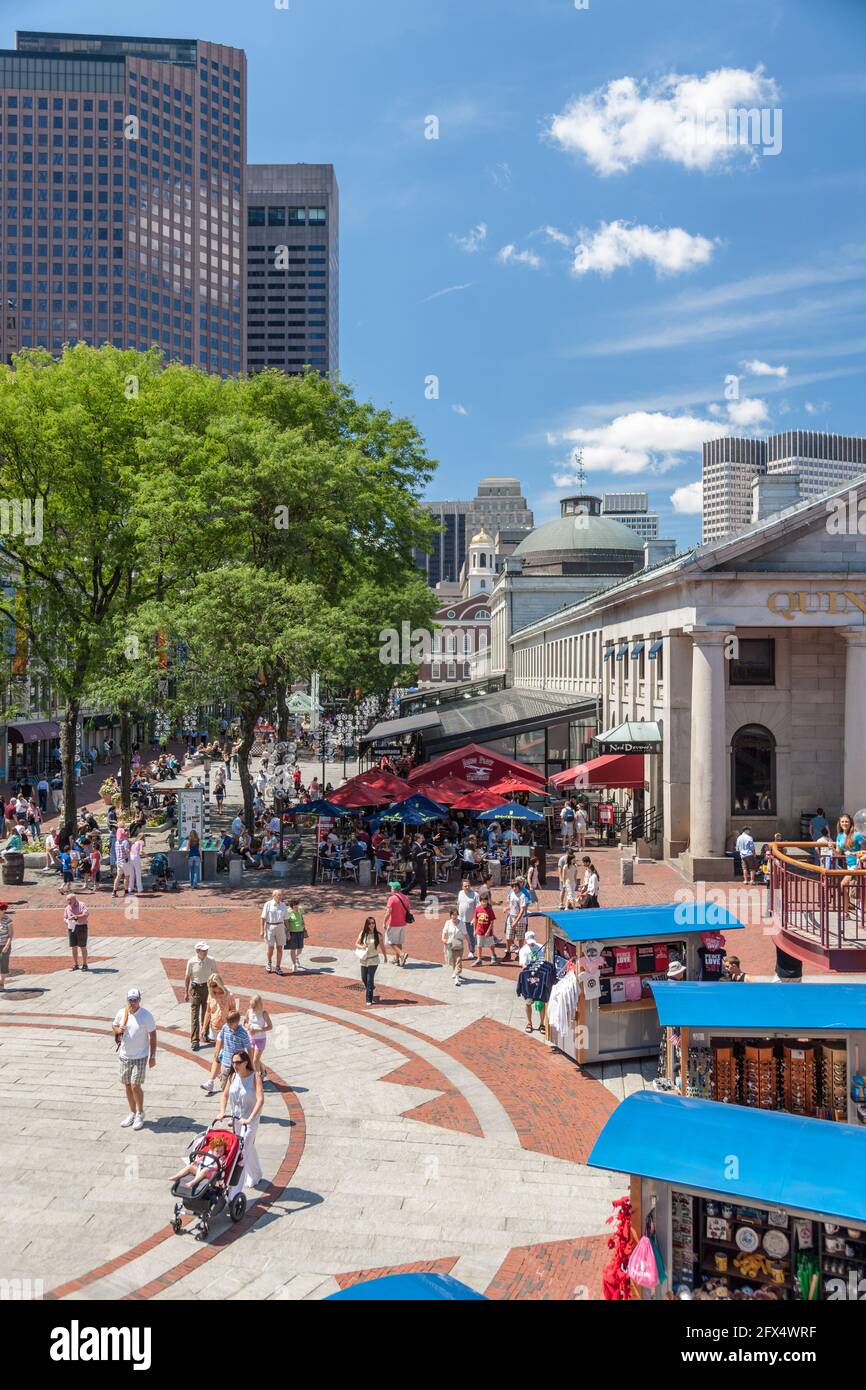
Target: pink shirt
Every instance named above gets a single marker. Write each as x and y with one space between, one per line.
397 907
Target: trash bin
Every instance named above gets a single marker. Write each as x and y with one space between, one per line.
365 873
236 869
13 867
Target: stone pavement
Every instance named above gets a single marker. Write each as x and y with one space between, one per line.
429 1132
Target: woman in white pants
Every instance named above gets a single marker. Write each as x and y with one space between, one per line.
243 1097
134 884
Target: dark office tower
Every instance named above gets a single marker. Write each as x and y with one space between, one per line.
121 195
293 267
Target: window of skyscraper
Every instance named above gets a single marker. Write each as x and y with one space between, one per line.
276 217
255 217
297 217
317 215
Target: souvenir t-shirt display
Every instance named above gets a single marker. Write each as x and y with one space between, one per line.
712 962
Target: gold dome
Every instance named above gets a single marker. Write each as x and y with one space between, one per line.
481 538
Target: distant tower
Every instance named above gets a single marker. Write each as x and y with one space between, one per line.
480 565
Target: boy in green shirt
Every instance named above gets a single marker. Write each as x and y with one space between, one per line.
296 932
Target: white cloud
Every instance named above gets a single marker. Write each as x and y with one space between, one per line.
559 237
671 250
460 410
688 499
747 412
681 118
755 367
641 441
501 175
816 407
451 289
509 255
474 239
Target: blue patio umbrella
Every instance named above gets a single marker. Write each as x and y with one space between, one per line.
319 808
401 816
512 810
408 1288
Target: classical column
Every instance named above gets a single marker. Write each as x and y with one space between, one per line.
708 783
854 747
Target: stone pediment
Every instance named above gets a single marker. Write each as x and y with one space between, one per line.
827 535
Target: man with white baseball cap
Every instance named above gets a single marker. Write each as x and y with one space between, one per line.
199 969
135 1034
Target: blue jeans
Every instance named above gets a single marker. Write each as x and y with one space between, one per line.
368 975
470 937
228 768
194 870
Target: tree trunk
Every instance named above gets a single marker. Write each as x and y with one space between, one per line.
125 761
248 729
282 714
68 729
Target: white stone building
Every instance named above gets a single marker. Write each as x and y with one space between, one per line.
750 656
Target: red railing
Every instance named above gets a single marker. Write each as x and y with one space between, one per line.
828 906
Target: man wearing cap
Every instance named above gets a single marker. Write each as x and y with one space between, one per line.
676 970
135 1034
199 969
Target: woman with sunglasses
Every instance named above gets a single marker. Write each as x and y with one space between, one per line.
243 1097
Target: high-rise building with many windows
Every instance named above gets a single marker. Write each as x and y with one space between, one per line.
498 505
122 165
819 460
632 509
292 267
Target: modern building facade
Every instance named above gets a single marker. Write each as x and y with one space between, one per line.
632 509
121 195
292 267
498 505
820 460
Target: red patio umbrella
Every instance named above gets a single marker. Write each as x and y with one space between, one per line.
449 790
480 800
372 788
476 764
510 784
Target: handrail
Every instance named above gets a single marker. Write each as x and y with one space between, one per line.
776 851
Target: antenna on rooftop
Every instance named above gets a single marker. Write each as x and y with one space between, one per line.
579 470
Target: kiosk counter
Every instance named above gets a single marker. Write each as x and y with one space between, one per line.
618 953
801 1050
743 1204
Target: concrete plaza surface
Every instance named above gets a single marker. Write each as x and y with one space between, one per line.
429 1132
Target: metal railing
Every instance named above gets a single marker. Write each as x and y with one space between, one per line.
825 905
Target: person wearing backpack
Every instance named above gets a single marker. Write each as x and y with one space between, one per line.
454 939
566 821
397 914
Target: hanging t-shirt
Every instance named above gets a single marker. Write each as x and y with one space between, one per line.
646 960
626 960
617 991
711 963
632 987
608 960
604 991
662 954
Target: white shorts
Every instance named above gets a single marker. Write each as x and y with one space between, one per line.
275 935
395 936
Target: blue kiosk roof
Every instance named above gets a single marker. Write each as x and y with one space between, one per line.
408 1288
658 919
761 1005
781 1160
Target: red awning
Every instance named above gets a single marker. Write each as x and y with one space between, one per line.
612 770
371 788
479 766
33 732
447 790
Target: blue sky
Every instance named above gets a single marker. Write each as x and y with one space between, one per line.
582 257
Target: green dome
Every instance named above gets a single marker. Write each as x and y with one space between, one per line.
580 532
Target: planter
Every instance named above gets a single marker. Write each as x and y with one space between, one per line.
13 867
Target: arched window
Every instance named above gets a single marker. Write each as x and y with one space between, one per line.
753 771
483 560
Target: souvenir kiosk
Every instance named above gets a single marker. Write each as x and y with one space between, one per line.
744 1204
617 954
800 1050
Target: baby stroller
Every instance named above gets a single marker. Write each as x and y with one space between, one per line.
219 1185
163 878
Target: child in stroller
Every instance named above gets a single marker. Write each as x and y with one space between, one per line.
211 1180
163 878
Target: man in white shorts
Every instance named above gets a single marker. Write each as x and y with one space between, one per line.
515 920
274 914
135 1032
566 822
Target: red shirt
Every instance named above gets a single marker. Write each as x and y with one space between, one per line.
484 919
397 907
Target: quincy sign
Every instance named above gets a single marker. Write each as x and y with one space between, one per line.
788 604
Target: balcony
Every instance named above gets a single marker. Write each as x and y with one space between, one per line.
821 912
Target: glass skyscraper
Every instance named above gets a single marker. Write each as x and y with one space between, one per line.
122 165
292 267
